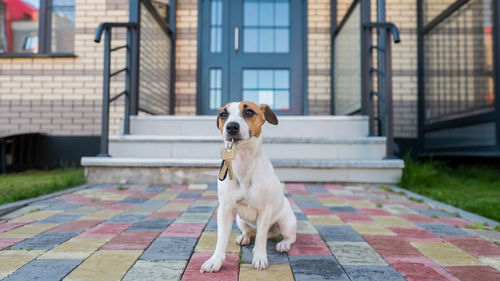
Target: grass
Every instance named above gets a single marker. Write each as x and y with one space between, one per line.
19 186
475 188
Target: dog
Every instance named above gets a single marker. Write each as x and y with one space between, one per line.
255 192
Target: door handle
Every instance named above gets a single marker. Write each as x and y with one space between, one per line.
236 39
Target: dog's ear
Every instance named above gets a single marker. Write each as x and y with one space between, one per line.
269 114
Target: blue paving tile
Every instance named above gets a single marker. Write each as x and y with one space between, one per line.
339 233
316 188
372 273
52 201
101 186
212 186
155 189
309 204
273 256
189 195
443 229
62 207
200 209
126 218
288 195
343 209
45 241
154 225
306 268
301 216
44 270
153 203
434 212
212 226
133 200
60 218
170 248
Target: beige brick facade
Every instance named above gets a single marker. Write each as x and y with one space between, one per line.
62 96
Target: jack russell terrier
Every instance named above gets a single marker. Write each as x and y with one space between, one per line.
254 192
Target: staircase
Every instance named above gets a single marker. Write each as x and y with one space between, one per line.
185 149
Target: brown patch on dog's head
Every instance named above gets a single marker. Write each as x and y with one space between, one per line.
222 116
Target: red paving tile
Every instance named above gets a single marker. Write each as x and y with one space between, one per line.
421 269
165 215
7 242
309 245
391 246
296 188
228 271
374 211
317 211
4 227
76 226
334 186
182 200
106 230
350 197
414 205
415 234
208 197
416 218
179 186
184 230
456 222
474 273
131 241
353 217
324 195
475 246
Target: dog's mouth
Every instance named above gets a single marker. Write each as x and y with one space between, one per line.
235 139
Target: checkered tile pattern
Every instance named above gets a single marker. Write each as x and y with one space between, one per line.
111 232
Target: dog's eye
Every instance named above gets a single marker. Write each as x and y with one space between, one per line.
249 113
223 115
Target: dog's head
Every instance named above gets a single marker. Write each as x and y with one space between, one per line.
240 121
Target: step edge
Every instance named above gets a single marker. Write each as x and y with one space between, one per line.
213 117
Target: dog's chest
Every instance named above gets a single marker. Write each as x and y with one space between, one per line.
246 212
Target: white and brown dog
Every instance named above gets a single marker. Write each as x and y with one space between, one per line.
255 192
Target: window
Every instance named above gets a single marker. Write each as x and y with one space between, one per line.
26 29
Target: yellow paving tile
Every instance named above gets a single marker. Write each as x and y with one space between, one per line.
200 186
325 220
100 215
76 248
333 201
209 193
446 254
174 207
209 239
371 228
36 216
12 260
360 204
493 262
27 231
106 265
391 221
305 227
164 196
105 195
275 272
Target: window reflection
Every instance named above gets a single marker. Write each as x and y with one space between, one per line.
269 86
19 26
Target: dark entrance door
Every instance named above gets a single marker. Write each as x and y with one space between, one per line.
252 50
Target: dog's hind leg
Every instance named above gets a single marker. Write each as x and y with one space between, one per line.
288 226
247 232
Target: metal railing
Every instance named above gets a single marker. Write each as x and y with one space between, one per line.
362 28
153 55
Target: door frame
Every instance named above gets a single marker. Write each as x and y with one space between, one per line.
199 60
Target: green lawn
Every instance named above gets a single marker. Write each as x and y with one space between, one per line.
18 186
475 188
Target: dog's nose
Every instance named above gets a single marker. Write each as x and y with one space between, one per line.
233 128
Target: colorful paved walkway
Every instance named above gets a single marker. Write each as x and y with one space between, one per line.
156 233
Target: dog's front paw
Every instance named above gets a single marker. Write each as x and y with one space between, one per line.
259 262
242 239
211 265
283 246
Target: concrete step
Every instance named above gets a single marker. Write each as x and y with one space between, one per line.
289 126
203 170
150 146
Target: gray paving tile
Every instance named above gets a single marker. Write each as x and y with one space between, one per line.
443 229
339 233
189 195
301 216
212 226
212 186
434 213
126 218
309 204
155 270
316 188
155 225
133 200
372 273
49 270
83 210
45 241
194 217
155 189
200 209
306 268
62 207
170 248
153 203
343 209
60 218
355 253
273 256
